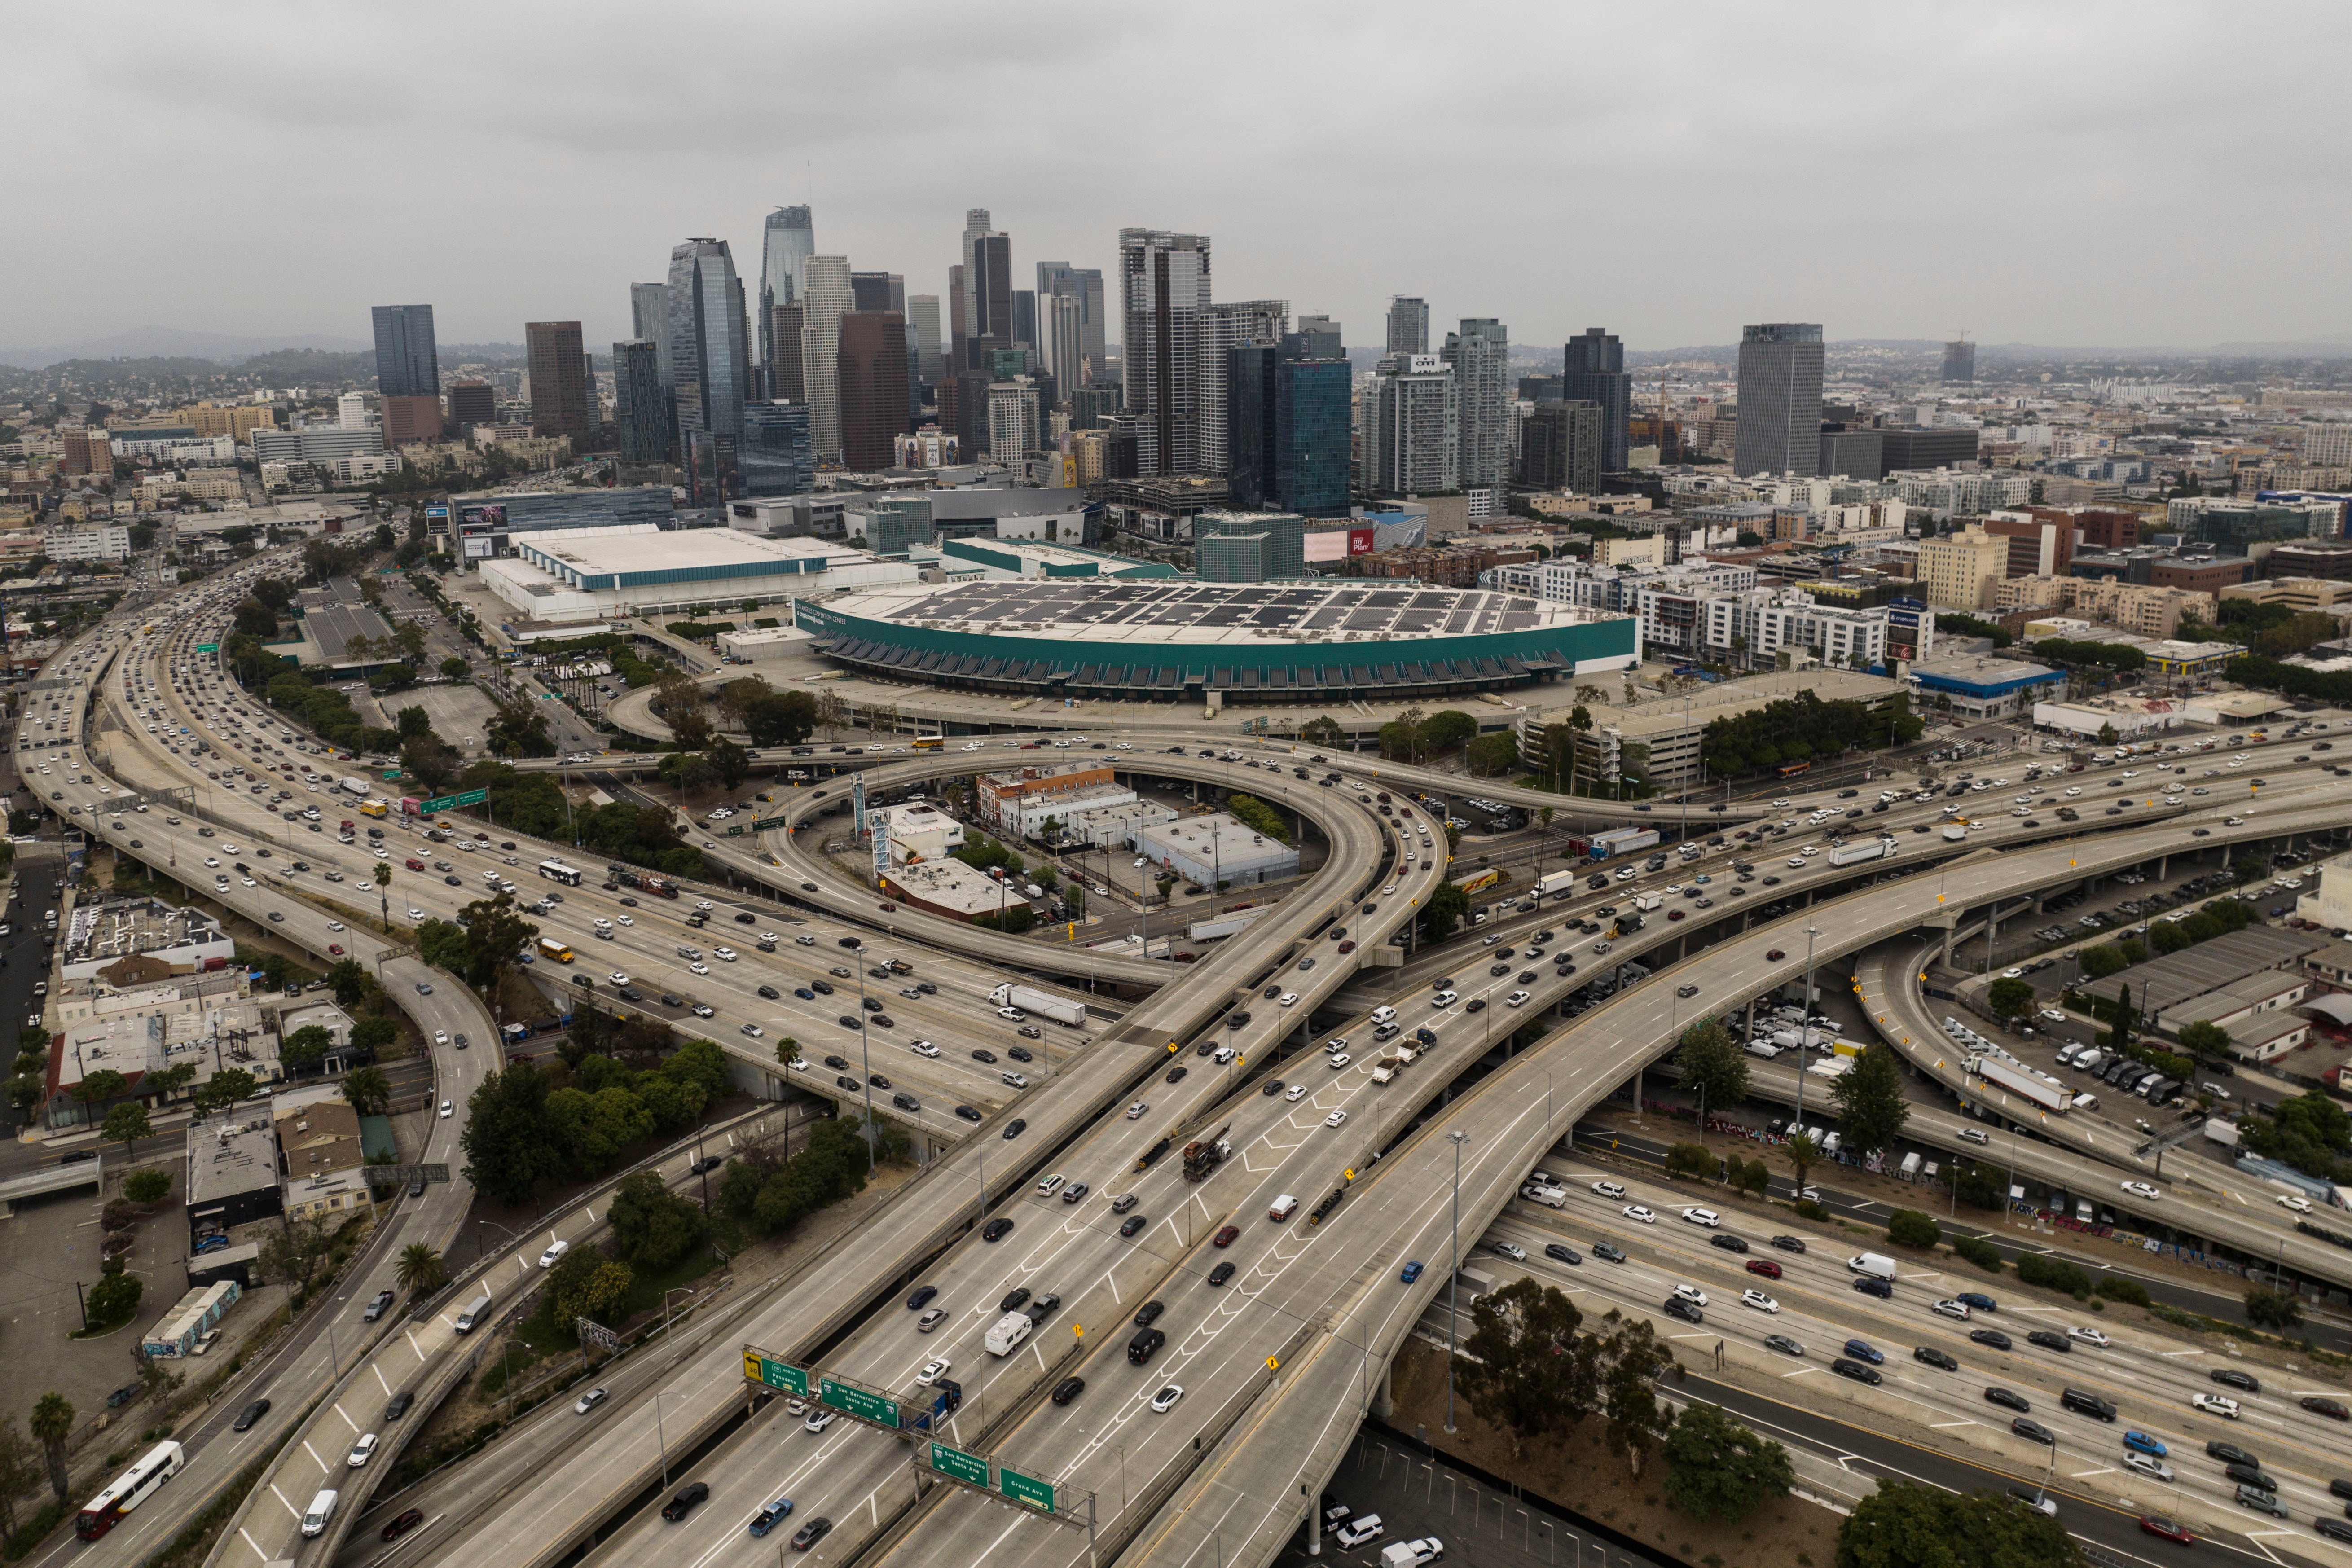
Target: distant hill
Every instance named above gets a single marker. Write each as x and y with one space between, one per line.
171 343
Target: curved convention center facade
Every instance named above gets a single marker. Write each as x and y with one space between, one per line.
1187 641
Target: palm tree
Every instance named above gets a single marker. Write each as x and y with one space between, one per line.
1803 1155
383 883
52 1422
421 1268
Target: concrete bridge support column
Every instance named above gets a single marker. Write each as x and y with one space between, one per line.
1384 1396
2161 862
2225 855
1950 922
1637 1092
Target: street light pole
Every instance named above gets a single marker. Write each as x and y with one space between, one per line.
1453 1286
1805 1030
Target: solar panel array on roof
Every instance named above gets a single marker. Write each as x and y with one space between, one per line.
1094 602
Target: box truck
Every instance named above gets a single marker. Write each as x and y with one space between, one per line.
1044 1004
2051 1096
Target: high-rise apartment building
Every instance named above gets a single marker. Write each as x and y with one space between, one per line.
1084 354
872 388
1479 355
1024 324
1164 297
1561 446
1959 363
923 316
787 372
786 244
1593 370
1962 572
827 278
640 406
1016 418
711 363
775 459
407 362
1223 327
1779 399
1065 329
1409 439
1408 325
561 397
1287 429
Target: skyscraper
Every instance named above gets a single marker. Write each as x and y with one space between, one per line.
710 361
640 406
789 238
1223 327
406 365
1323 335
1016 418
988 279
1960 363
1164 283
1478 353
649 320
878 291
1561 446
775 451
560 395
407 374
1411 428
923 315
1593 370
956 322
965 314
787 377
826 280
1408 325
1312 456
1070 345
1249 425
1065 332
872 383
1779 429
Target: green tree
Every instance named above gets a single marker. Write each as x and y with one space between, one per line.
291 1254
148 1186
1689 1160
592 1129
2206 1040
114 1298
422 1270
1258 816
506 1144
1523 1370
495 932
2012 998
1442 915
368 1092
20 1475
653 1228
51 1424
1871 1108
126 1125
1714 1066
350 982
1804 1152
223 1089
100 1088
2103 961
1909 1227
1718 1468
455 669
2278 1311
1909 1524
600 1293
372 1035
1631 1359
307 1047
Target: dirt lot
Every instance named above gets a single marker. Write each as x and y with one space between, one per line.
1581 1475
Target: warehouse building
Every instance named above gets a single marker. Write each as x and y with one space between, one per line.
1216 850
950 889
1179 640
601 573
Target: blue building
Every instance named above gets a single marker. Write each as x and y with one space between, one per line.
775 456
1983 688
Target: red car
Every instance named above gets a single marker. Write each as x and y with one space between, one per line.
403 1525
1225 1238
335 948
2171 1530
1346 947
1764 1266
1774 955
1674 914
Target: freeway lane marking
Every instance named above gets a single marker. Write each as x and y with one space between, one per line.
2171 1355
1800 1371
314 1453
1944 1425
249 1541
2102 1470
378 1369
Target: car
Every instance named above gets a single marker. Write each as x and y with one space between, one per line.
1784 1344
2169 1528
819 1418
809 1534
2034 1431
1870 1286
448 1109
1789 1243
1639 1215
379 1304
1991 1337
1608 1251
1862 1350
2257 1498
1977 1301
2231 1454
2319 1404
1412 1272
361 1451
1225 1234
1609 1189
1757 1300
1510 1249
771 1516
2334 1528
2232 1377
2008 1399
1930 1356
1335 1119
2142 1191
996 1229
2215 1405
555 1254
2088 1336
933 1370
1221 1273
1855 1370
2050 1339
1165 1400
1701 1216
2144 1443
250 1414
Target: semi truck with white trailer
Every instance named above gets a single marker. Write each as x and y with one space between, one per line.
1867 849
2055 1097
1043 1004
1225 925
356 787
1623 841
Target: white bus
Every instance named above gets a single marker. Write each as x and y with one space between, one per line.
132 1487
567 874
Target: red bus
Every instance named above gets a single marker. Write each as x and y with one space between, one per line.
1791 770
130 1489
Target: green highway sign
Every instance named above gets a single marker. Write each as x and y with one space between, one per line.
1017 1488
733 831
764 824
774 1373
970 1468
878 1408
208 647
449 802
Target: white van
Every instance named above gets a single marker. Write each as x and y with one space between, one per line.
1283 1208
1383 1013
322 1509
475 1311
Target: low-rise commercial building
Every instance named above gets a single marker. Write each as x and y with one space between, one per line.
952 890
1217 851
566 575
917 833
1981 688
231 1171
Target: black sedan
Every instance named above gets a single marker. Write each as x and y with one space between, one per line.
2008 1399
809 1534
1992 1336
996 1229
250 1414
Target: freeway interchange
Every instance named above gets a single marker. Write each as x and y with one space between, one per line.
1276 1354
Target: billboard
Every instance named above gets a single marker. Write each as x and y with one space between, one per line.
480 548
1360 541
493 515
1326 544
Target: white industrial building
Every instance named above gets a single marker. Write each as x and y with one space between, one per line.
1207 850
597 573
917 833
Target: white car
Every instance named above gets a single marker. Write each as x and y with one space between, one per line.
2147 1464
723 954
334 925
1609 1189
1335 1119
447 1109
2215 1405
697 969
2143 1191
1691 1293
1757 1300
1515 999
1639 1215
1294 1094
1954 1310
2088 1336
413 914
818 1420
1708 1217
1135 1111
803 938
1339 1059
618 977
555 1254
626 920
924 1048
361 1451
1050 1185
1165 1400
2290 1201
933 1370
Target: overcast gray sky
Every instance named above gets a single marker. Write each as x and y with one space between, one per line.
2072 174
